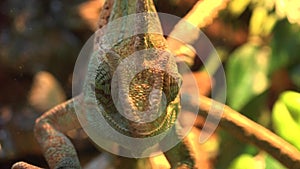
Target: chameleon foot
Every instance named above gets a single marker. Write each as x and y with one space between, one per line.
184 166
23 165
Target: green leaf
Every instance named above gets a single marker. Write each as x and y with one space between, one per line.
291 100
284 124
285 46
246 72
295 76
244 161
230 149
237 7
257 20
271 163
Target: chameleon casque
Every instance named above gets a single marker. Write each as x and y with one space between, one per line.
152 93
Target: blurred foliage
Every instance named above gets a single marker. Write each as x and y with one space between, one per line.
286 117
260 161
285 46
248 63
244 161
258 71
34 36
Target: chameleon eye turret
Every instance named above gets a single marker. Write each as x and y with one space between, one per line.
141 89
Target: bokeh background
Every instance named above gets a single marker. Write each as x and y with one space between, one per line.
257 40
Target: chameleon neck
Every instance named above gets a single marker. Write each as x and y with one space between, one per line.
126 7
143 17
141 22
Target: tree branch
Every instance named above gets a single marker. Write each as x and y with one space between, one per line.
202 14
251 132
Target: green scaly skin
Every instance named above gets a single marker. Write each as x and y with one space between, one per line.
51 127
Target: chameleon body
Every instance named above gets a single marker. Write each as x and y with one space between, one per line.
152 92
148 84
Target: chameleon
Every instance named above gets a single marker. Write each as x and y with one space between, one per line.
151 92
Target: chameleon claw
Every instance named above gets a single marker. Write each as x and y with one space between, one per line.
23 165
184 166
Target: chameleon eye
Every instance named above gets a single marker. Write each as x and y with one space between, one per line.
102 86
171 87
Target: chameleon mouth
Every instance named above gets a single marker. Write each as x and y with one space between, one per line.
145 129
142 108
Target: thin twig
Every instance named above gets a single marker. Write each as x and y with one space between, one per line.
249 131
202 14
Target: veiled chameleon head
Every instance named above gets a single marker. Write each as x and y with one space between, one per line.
139 91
